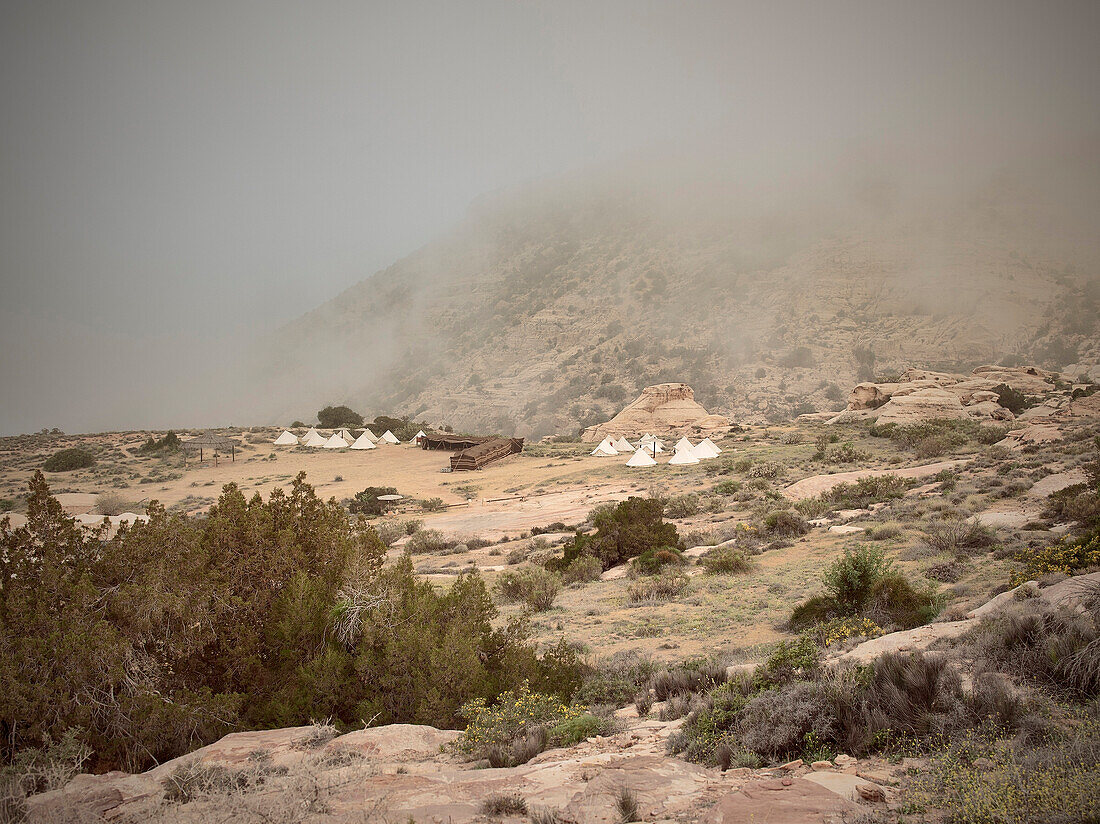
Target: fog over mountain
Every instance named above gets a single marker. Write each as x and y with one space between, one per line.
513 215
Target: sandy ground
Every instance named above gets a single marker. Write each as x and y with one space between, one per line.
817 484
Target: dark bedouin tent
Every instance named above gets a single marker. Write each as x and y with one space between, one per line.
208 441
485 453
452 443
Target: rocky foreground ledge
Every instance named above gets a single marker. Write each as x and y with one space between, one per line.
402 772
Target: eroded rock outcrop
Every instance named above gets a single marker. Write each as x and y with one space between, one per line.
665 409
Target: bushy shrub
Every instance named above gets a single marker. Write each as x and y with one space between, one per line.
869 490
1068 556
169 443
515 715
726 560
498 805
616 680
66 460
534 586
785 523
958 537
767 470
433 505
367 503
582 570
845 453
663 587
682 506
624 531
1011 399
883 532
652 561
696 675
727 487
427 541
863 582
337 417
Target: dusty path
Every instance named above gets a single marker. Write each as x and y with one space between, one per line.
495 520
817 484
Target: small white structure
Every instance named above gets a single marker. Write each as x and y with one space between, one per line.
641 458
347 436
363 442
370 435
605 450
389 437
646 438
683 444
711 445
683 457
623 445
415 439
704 450
288 438
335 442
313 439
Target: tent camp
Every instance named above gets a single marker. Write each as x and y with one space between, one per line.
288 438
605 449
335 442
684 443
415 439
623 445
370 436
683 457
363 442
313 440
347 436
705 450
646 438
389 437
641 458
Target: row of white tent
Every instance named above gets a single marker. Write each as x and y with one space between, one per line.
341 439
648 447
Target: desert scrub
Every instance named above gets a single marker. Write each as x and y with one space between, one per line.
845 453
582 570
516 713
653 589
767 470
839 630
1058 781
652 561
785 523
959 538
682 506
866 491
726 560
535 586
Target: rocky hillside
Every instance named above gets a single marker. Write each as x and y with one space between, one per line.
550 307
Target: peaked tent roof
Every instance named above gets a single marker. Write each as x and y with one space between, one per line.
605 449
641 458
347 436
312 433
623 445
647 438
705 450
684 443
683 456
288 438
712 445
314 440
370 435
389 437
419 434
363 442
335 442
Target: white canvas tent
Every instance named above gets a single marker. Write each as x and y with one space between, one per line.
314 440
705 450
646 438
711 445
683 457
415 439
288 438
605 449
363 442
370 436
684 443
335 442
347 436
389 437
641 458
623 445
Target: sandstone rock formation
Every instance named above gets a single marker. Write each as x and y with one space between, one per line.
666 409
921 395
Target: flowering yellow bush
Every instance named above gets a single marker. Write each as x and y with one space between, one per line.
841 629
1064 556
514 713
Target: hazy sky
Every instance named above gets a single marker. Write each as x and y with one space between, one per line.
178 177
